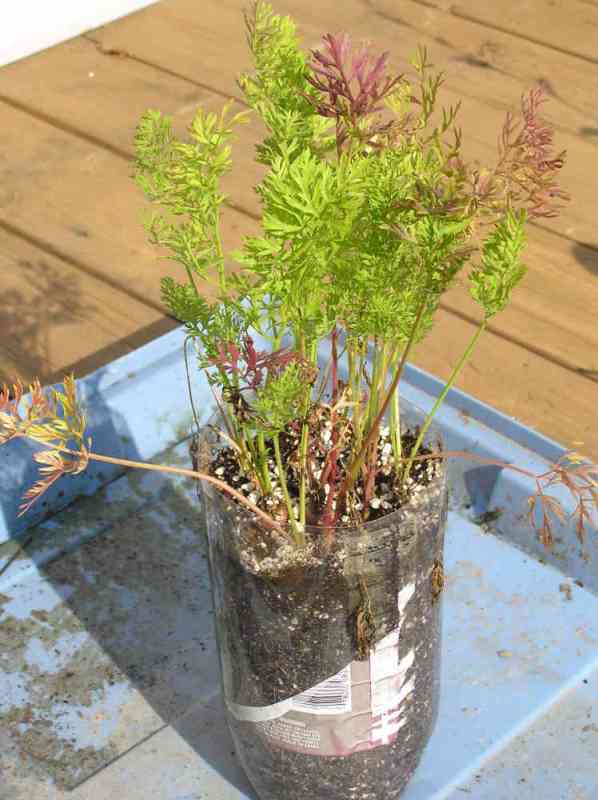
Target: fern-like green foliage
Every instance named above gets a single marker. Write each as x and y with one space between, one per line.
367 239
184 179
279 63
185 304
309 208
398 257
500 270
365 223
53 419
280 400
274 89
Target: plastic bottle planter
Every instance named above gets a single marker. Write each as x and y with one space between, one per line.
330 656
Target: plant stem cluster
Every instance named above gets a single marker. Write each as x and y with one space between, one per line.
366 223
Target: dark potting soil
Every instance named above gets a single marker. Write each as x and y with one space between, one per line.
283 630
387 494
383 772
288 632
379 774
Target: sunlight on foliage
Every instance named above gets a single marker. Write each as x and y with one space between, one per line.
366 223
54 419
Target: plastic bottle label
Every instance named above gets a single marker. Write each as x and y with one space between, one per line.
359 708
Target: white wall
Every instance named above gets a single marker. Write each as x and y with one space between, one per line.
27 26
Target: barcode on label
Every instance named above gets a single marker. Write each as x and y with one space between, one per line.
332 696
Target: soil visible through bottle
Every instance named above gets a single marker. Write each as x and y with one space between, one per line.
288 620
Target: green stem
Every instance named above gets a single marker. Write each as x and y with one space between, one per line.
263 460
378 389
192 279
351 368
235 431
254 470
297 534
302 479
218 241
351 352
304 441
384 371
302 344
441 397
395 427
278 331
373 394
353 470
357 409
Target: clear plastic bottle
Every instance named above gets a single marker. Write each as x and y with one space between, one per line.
330 653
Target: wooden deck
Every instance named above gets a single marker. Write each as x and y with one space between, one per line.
79 283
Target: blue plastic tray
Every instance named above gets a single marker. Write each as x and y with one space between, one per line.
108 669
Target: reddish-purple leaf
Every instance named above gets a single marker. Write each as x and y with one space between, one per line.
331 77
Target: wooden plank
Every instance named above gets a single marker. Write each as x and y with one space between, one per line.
496 67
109 212
549 315
62 75
157 35
55 318
118 74
32 26
79 89
570 26
78 85
546 296
91 208
542 395
55 87
482 124
204 43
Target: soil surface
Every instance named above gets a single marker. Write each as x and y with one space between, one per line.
387 493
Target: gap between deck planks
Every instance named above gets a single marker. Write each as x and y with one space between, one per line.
56 319
152 37
69 103
567 26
